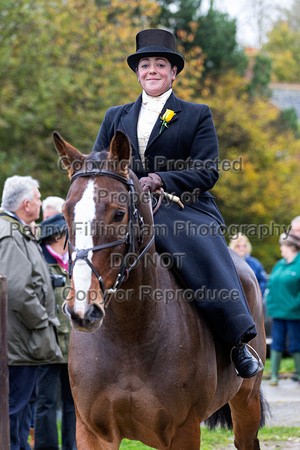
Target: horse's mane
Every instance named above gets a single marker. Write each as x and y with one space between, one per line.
100 160
97 156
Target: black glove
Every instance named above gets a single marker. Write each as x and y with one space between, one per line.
151 183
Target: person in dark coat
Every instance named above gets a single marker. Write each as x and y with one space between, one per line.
174 146
51 377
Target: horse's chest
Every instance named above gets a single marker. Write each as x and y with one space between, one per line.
129 398
137 392
136 410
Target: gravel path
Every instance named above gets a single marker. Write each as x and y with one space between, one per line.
284 401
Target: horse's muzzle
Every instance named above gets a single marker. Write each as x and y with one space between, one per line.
91 320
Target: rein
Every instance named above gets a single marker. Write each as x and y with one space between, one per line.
160 194
134 217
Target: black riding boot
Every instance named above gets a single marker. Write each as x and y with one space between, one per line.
246 365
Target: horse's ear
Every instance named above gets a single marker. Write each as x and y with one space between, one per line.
120 152
71 158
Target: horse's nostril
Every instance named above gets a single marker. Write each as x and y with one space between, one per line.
94 314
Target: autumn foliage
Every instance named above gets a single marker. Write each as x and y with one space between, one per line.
63 63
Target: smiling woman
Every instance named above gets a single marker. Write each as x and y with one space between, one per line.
164 128
155 75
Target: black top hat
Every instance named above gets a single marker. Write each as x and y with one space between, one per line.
156 42
53 225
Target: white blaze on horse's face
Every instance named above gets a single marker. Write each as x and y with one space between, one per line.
84 215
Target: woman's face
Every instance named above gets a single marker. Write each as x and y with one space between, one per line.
241 249
288 252
155 75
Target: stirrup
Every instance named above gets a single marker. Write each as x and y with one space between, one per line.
254 353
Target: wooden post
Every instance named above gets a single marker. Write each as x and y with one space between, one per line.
4 384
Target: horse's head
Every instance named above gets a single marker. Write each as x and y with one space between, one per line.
102 213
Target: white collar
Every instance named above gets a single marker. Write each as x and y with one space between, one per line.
146 99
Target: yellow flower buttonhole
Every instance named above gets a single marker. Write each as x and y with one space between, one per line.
168 115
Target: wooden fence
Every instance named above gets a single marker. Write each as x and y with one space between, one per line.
4 385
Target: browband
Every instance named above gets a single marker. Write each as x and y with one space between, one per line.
103 172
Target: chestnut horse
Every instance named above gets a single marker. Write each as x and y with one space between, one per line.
148 367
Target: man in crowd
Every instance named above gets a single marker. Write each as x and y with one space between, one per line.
31 317
52 205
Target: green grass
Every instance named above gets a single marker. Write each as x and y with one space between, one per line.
212 440
216 439
287 366
133 445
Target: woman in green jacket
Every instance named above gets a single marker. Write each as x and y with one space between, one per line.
283 304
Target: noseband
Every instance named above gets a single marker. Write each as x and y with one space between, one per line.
134 218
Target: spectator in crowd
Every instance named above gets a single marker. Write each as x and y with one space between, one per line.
31 317
52 239
52 205
241 245
283 303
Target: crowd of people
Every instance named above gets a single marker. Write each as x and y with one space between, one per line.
283 302
34 259
282 295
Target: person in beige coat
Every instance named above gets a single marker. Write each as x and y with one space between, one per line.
32 339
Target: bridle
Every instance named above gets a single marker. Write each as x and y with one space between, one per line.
134 219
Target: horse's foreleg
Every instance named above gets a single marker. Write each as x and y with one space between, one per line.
87 440
187 436
245 411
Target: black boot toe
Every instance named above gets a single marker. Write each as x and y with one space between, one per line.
245 363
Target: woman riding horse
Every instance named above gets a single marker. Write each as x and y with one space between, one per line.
174 147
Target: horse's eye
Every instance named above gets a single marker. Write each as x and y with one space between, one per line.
119 216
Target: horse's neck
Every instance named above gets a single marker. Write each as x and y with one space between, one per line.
134 310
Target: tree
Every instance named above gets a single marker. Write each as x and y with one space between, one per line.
283 47
214 33
261 190
261 11
62 65
288 120
292 15
261 75
257 192
178 14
